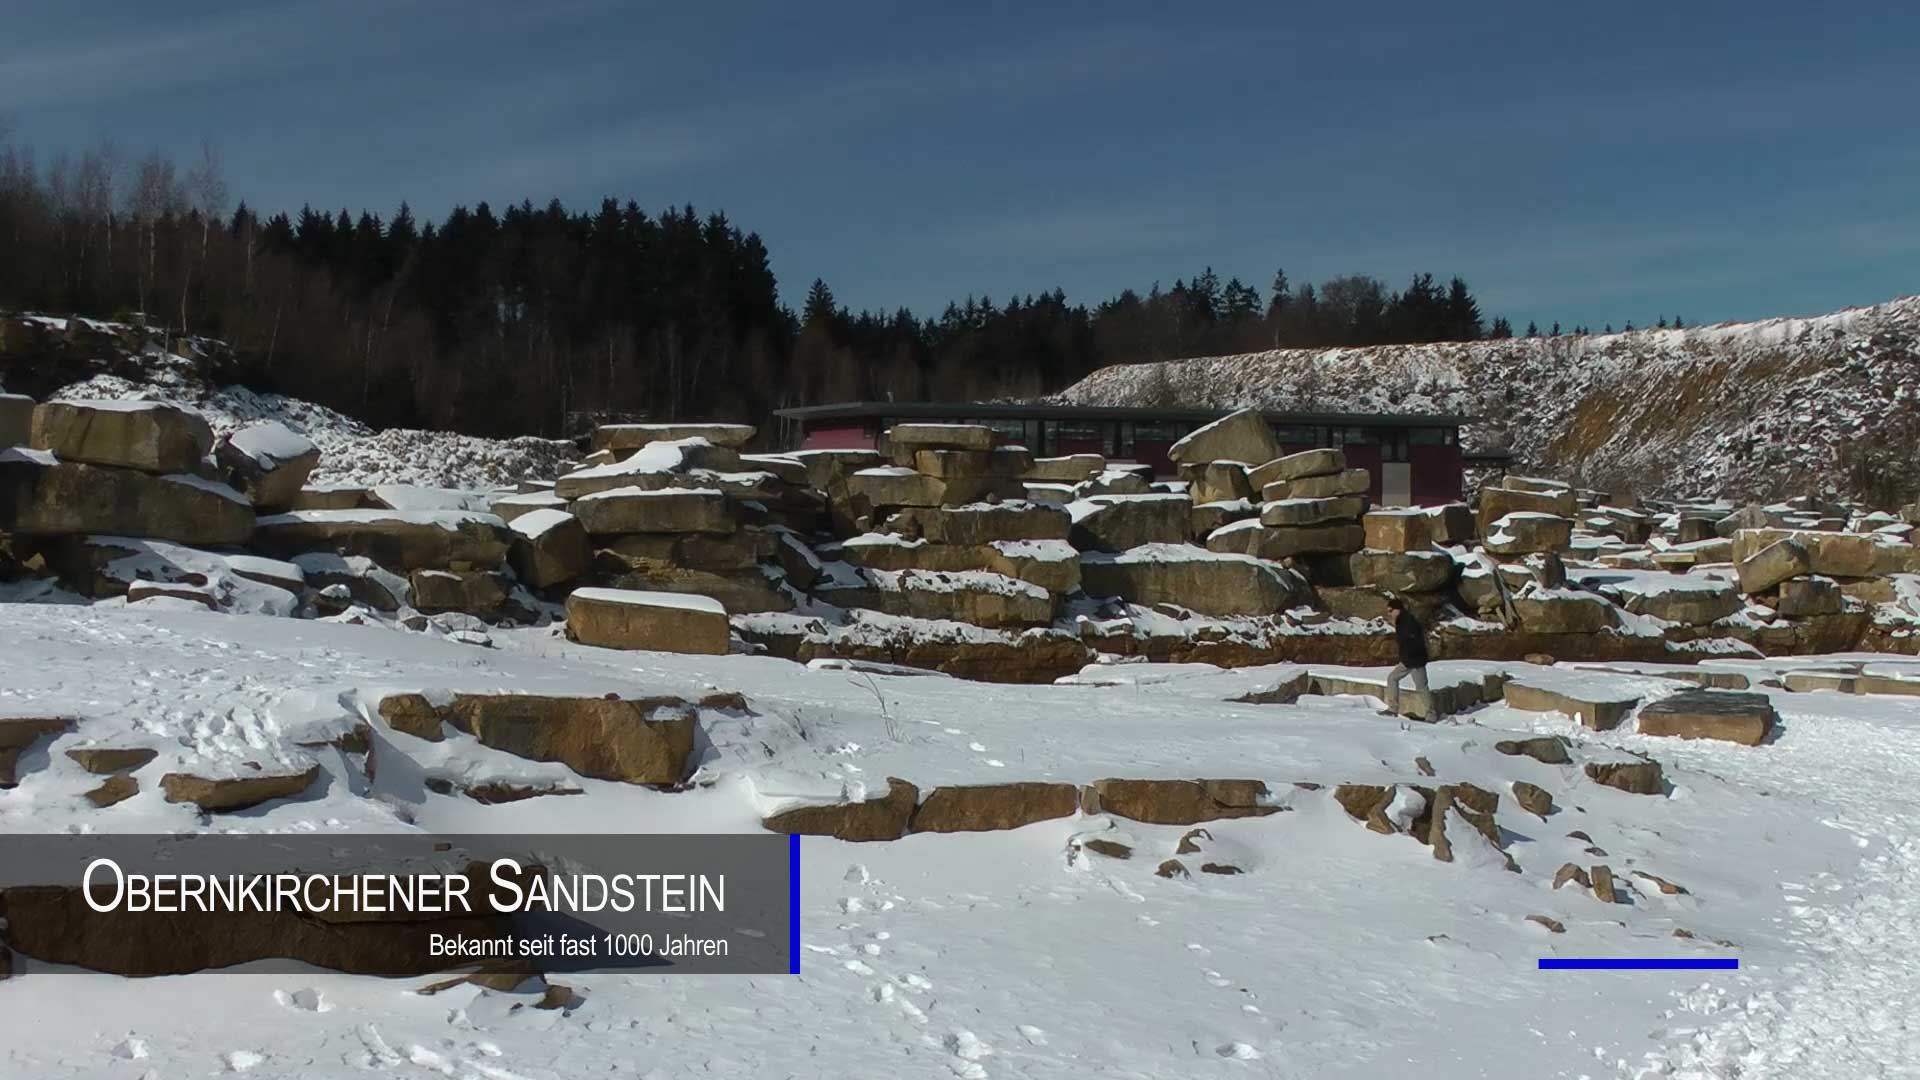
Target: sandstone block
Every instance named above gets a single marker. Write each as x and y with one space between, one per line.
657 621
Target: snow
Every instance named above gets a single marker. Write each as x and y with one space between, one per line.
211 486
113 406
421 497
537 523
351 453
270 442
28 454
1337 952
645 598
450 520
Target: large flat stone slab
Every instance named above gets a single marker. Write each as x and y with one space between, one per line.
1727 715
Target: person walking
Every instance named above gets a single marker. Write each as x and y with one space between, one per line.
1410 638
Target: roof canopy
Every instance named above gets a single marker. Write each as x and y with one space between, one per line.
988 410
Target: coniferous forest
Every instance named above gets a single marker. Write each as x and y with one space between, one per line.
541 319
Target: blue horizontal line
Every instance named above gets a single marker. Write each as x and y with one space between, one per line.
1638 964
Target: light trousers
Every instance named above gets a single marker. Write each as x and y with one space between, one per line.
1401 671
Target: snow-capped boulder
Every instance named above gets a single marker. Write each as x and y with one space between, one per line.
476 592
902 441
400 540
1399 530
1410 571
1325 461
1250 537
1240 436
1053 565
1177 802
1070 469
1216 481
1633 777
1524 532
1563 611
549 546
980 523
1763 567
269 461
977 597
993 807
1119 522
226 790
40 496
1208 582
147 435
1498 502
509 507
1329 486
1835 554
17 733
1596 701
1727 715
653 620
882 818
1805 597
894 485
635 741
623 439
667 510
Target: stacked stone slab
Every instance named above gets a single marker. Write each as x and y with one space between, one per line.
451 560
766 489
937 465
1799 573
1399 559
1514 516
135 469
1311 505
1004 564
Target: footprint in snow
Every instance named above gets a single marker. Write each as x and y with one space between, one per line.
978 748
967 1046
129 1049
1214 978
1238 1050
306 1000
857 874
1033 1035
379 1055
241 1060
918 982
857 967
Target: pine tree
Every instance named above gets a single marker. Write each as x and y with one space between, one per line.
821 309
1463 313
1279 295
1501 329
1677 324
1555 332
1533 329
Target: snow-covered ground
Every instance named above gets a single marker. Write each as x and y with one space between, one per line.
1753 410
1338 952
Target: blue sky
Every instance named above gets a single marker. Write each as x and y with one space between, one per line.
1580 163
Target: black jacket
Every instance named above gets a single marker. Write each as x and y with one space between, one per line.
1411 637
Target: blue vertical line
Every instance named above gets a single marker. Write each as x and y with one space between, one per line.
793 903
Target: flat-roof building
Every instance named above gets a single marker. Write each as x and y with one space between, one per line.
1414 459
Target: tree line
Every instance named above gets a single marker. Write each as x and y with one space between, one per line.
538 319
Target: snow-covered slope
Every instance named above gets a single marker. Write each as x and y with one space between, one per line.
1758 409
132 366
